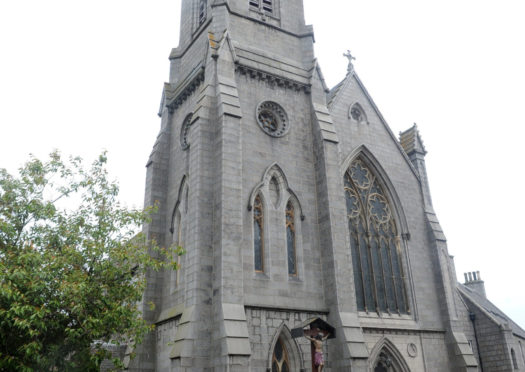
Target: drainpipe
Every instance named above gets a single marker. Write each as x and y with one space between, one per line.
473 320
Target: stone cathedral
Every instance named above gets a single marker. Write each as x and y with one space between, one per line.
294 201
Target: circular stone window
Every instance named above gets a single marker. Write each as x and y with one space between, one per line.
184 132
272 119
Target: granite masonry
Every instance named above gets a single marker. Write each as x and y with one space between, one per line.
295 201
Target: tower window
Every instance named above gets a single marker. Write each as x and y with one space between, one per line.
267 6
203 7
258 234
376 254
262 5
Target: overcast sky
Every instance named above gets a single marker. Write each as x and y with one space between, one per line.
83 76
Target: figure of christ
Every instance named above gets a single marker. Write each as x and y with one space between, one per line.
318 350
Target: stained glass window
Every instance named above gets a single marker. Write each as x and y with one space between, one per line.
280 361
378 272
290 239
258 234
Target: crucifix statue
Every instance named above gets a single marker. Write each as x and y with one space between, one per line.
351 58
317 338
316 330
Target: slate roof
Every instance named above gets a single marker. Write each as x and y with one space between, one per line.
333 92
493 311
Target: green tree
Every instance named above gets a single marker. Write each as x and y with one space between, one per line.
72 267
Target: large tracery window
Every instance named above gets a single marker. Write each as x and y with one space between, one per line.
258 233
375 244
290 239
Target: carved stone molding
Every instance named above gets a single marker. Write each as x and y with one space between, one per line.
273 79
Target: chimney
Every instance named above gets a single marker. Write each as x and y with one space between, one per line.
474 282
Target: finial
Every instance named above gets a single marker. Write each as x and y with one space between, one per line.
351 58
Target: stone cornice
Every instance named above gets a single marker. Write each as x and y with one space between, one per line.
280 81
175 96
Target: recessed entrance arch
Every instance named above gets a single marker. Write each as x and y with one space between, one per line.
284 354
385 357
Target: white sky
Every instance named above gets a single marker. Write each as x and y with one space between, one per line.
83 76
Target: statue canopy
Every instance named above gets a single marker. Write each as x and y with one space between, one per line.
312 327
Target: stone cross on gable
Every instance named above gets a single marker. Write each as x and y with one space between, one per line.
351 58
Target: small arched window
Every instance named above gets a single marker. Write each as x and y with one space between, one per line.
357 113
514 360
258 233
375 244
280 361
290 239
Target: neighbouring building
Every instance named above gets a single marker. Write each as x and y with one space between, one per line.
295 201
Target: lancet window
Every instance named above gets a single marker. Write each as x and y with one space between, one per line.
375 244
290 239
203 8
514 360
280 361
258 233
177 239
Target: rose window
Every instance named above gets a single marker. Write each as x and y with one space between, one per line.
272 119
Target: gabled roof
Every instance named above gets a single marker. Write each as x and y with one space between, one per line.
490 309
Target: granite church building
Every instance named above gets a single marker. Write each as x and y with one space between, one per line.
295 201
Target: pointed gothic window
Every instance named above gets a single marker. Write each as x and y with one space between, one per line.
203 8
375 243
290 239
280 362
258 234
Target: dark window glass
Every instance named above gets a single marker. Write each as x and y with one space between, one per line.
360 296
290 239
268 6
280 361
378 271
380 368
258 234
376 256
389 278
366 267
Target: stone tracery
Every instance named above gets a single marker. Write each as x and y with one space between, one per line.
376 254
